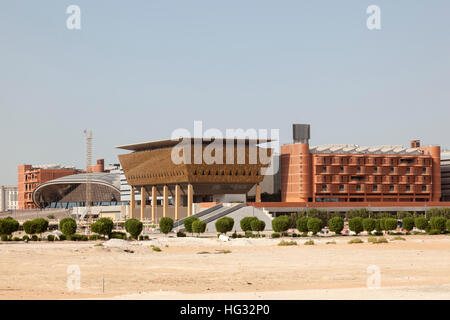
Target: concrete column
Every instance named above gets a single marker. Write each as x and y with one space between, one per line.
177 200
132 203
190 199
165 200
143 202
258 193
154 203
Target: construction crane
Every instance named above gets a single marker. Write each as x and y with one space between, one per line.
88 135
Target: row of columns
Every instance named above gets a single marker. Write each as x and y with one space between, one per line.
177 200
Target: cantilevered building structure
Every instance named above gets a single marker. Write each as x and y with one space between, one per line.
181 169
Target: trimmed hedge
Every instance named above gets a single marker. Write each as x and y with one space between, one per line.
302 224
356 224
246 223
281 224
421 223
336 224
390 224
68 226
438 223
166 225
188 223
408 223
314 225
199 226
369 224
134 227
258 225
225 224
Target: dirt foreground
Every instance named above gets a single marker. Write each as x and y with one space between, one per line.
199 268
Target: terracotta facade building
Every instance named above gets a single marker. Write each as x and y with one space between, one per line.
349 173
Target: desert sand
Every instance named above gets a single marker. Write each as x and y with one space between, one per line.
197 268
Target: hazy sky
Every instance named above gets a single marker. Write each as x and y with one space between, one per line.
137 70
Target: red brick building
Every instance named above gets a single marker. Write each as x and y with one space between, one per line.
349 173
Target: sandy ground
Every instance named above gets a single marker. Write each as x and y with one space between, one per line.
192 268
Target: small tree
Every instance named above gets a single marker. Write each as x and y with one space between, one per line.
246 223
408 223
369 224
336 224
281 224
188 223
438 223
8 226
356 224
225 224
30 227
103 226
302 224
378 227
447 225
199 226
258 225
166 225
68 226
390 224
421 223
133 227
382 223
41 225
314 225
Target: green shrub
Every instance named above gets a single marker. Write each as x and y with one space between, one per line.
336 224
309 242
421 223
354 213
356 240
188 223
4 237
8 226
199 226
302 224
30 227
17 239
62 237
398 238
51 237
434 232
275 235
319 214
390 224
134 227
448 225
146 237
258 225
94 237
381 223
369 224
438 223
25 238
281 224
103 226
41 225
225 224
157 249
356 224
181 234
408 223
246 223
314 225
68 226
118 235
381 240
34 238
287 243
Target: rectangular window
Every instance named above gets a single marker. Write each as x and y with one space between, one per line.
375 170
375 188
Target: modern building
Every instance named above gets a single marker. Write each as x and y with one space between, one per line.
70 191
151 169
445 175
30 177
351 173
8 198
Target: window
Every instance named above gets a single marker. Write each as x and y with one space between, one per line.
391 188
392 170
424 188
358 170
408 188
341 188
375 170
424 170
324 188
341 170
375 188
324 169
408 170
358 187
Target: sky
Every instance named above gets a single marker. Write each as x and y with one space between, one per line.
137 70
